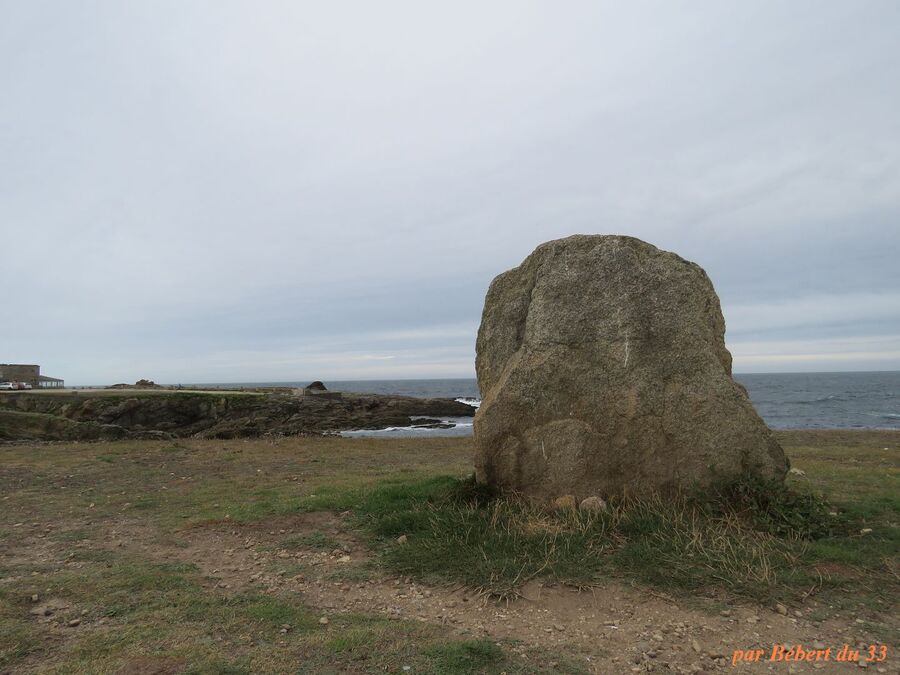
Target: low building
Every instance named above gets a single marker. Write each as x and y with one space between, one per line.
29 374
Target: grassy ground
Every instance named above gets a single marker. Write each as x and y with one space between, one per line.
87 534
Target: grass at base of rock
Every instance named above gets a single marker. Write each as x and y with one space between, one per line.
752 539
749 538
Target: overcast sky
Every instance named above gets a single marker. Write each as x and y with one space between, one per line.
254 191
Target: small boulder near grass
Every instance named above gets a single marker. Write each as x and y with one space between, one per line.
593 504
565 503
603 370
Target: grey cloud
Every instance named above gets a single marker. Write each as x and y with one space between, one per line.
296 186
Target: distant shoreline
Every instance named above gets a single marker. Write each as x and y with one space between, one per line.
300 383
837 400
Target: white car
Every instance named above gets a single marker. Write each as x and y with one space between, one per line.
7 385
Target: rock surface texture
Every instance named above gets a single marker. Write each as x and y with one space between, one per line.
603 370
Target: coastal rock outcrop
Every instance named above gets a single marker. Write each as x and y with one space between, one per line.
603 369
104 415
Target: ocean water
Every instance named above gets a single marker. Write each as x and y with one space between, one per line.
784 400
826 400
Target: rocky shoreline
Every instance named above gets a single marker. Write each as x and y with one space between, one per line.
114 415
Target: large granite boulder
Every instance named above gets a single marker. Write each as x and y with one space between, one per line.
603 370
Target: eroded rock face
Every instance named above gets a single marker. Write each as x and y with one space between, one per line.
603 370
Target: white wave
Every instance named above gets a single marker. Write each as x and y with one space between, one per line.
461 425
422 429
468 400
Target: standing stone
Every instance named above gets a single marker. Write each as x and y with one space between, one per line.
603 370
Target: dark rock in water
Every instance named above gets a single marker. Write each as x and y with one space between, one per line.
426 423
603 369
140 384
318 389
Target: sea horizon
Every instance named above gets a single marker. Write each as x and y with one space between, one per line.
866 399
296 381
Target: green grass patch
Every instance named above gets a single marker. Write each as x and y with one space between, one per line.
17 639
219 666
354 573
750 537
146 503
70 535
274 611
314 540
466 656
484 656
773 507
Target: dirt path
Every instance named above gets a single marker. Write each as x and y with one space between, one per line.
614 628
